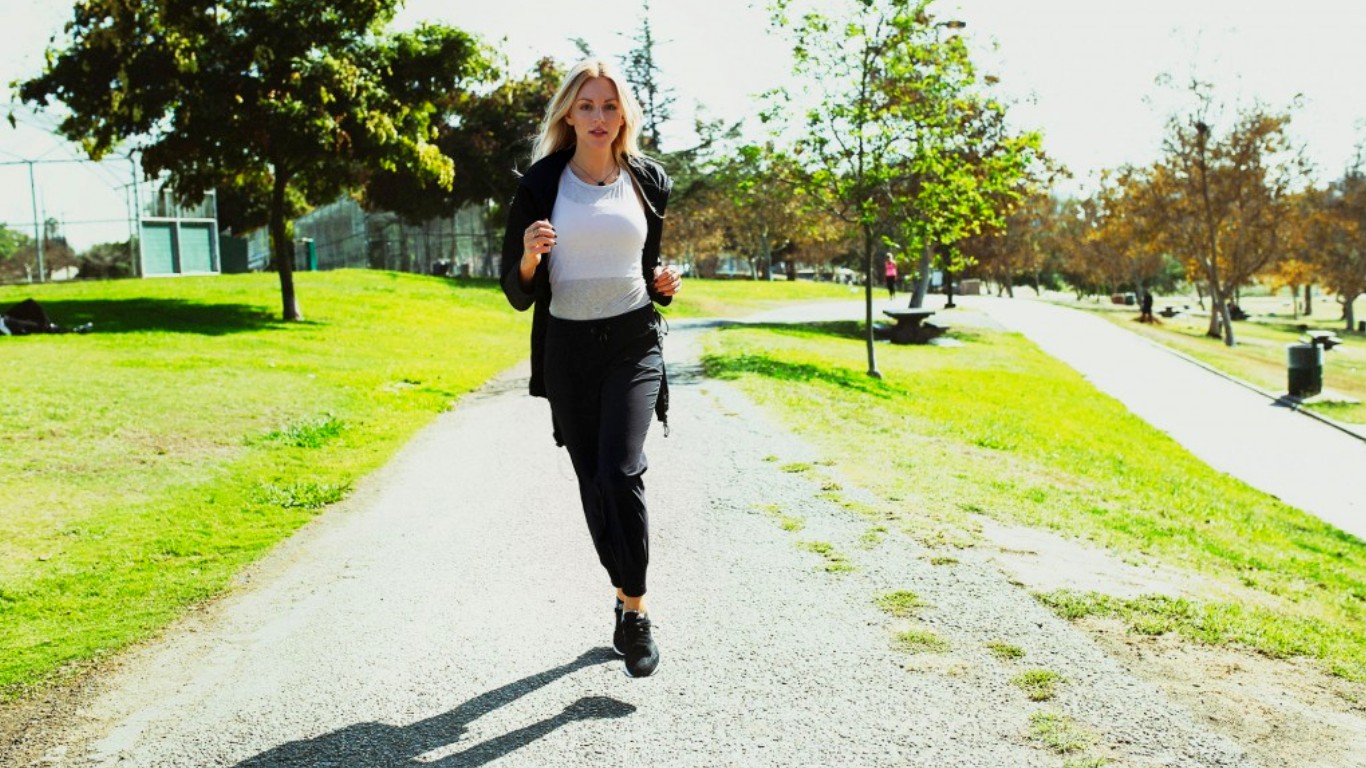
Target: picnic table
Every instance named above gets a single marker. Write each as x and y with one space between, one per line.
911 327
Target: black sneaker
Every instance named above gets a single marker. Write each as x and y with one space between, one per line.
642 655
618 635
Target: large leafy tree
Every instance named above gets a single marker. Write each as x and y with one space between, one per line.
1221 203
489 137
1339 239
282 103
896 138
698 205
763 204
968 173
1303 226
1025 248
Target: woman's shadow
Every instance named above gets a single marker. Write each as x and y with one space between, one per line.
377 745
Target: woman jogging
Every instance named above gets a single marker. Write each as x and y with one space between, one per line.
582 248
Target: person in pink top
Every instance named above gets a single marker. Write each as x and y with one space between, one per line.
891 275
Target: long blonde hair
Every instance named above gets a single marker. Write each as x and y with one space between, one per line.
556 134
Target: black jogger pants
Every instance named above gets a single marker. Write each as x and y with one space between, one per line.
602 378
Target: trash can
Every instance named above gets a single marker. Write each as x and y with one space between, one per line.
1306 369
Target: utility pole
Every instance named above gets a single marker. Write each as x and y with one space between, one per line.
37 225
137 216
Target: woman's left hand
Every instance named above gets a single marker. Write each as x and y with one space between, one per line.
668 280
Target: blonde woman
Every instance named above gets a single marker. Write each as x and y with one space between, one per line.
582 248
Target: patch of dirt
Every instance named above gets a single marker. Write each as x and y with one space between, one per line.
1044 561
1284 712
26 724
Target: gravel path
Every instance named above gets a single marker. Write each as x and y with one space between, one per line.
450 614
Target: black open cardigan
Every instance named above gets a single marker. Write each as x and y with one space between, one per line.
534 201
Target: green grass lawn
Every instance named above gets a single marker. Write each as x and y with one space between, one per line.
146 463
996 427
1259 357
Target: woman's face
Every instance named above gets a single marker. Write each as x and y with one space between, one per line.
596 113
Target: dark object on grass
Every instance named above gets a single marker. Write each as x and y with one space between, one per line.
28 317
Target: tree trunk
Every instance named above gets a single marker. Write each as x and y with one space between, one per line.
767 254
922 276
1308 300
1229 339
282 247
868 300
1219 313
1348 312
1216 308
1294 302
1220 306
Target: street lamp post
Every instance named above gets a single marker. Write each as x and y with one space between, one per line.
955 25
37 225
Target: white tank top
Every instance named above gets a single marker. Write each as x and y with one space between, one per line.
599 235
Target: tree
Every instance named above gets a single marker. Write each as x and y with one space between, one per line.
1304 220
19 253
1221 203
1023 248
877 71
1128 234
11 240
15 248
1100 265
765 200
105 261
283 102
642 72
1339 242
900 144
969 172
696 234
698 205
489 137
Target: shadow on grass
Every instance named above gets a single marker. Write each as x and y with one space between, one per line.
143 315
734 366
841 329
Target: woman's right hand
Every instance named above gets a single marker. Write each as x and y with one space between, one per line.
537 240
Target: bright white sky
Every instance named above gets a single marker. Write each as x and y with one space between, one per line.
1081 71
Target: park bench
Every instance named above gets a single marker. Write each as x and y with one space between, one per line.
911 327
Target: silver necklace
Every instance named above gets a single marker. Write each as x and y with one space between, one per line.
601 182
